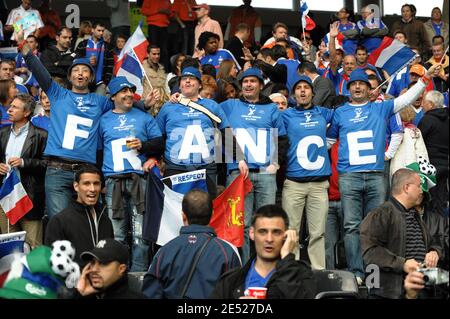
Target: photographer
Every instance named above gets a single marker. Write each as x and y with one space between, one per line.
393 236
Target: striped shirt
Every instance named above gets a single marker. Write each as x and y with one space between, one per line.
415 244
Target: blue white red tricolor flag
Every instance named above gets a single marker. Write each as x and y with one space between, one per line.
14 199
129 62
11 247
391 56
307 22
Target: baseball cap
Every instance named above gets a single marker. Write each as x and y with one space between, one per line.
302 78
252 72
358 75
83 61
191 71
417 69
106 251
119 83
203 5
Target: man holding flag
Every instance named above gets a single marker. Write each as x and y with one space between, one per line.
22 196
360 126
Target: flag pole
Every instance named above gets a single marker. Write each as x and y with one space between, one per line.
443 57
395 73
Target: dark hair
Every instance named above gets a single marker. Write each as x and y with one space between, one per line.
222 85
307 66
373 77
98 23
204 37
278 51
29 103
437 37
60 30
190 62
270 211
277 87
87 168
265 52
152 46
174 59
209 69
361 48
400 31
279 25
197 206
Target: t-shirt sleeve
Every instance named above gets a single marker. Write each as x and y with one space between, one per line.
55 91
106 104
152 128
220 113
333 131
277 122
161 119
327 114
386 107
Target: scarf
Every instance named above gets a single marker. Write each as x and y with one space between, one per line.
445 64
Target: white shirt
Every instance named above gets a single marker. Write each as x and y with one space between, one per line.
20 13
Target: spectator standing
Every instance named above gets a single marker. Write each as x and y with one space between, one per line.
120 20
155 71
58 58
236 43
52 23
394 238
435 129
413 29
8 92
84 32
441 80
205 23
158 13
21 148
324 92
83 222
437 26
371 29
349 30
43 120
21 12
248 15
184 11
190 265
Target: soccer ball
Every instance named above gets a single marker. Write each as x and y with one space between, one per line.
61 264
425 166
63 247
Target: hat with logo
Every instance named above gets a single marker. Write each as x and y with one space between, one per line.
251 72
119 83
191 71
358 75
202 5
41 273
81 61
417 69
302 78
106 251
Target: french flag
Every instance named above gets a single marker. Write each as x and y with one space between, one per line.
307 22
338 41
391 56
14 199
129 62
11 248
162 218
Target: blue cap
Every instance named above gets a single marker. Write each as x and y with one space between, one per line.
358 75
252 72
119 83
191 71
301 78
83 61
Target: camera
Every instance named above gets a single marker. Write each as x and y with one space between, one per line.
434 276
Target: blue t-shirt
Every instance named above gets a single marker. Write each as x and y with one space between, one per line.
418 117
394 126
256 128
370 43
189 133
306 129
4 121
41 121
349 45
437 27
217 57
398 83
73 132
253 279
292 74
114 130
340 82
22 88
362 134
